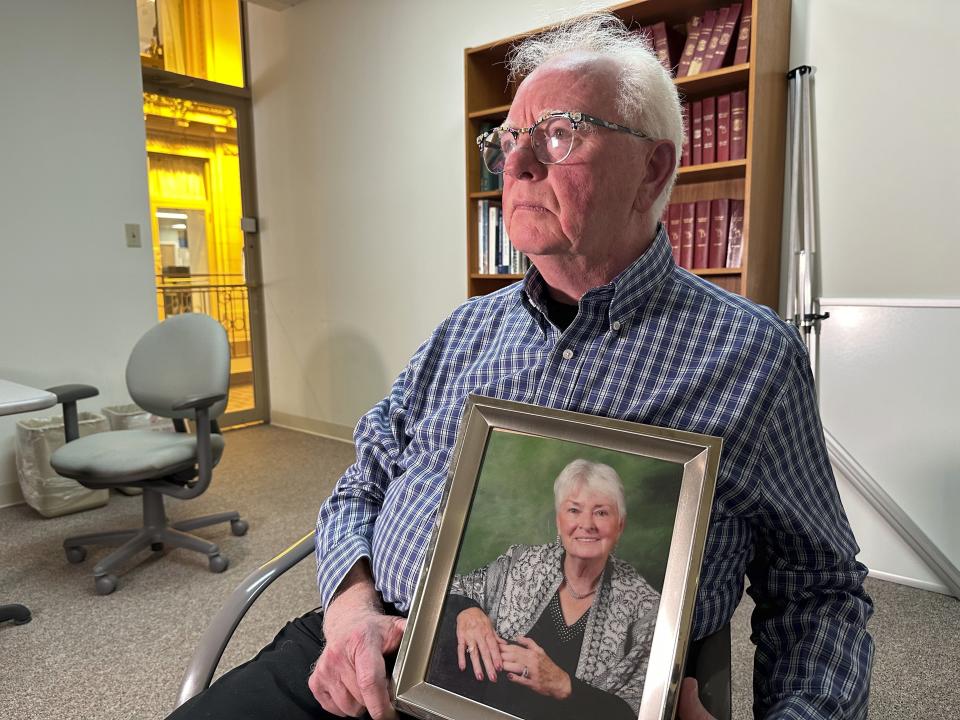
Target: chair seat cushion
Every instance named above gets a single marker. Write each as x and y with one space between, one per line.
129 455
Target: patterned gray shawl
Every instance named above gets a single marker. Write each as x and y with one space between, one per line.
516 588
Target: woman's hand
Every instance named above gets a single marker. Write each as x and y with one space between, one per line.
529 665
477 639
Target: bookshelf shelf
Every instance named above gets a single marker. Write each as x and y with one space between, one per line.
511 277
715 81
758 180
492 113
716 272
730 170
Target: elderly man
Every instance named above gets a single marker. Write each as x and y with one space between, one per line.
604 323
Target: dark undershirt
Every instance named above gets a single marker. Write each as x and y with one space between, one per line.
559 313
562 644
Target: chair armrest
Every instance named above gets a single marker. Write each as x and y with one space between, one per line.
67 395
195 402
73 392
215 638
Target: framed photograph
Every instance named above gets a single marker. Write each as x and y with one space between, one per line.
562 572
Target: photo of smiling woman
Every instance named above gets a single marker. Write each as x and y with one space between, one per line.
555 630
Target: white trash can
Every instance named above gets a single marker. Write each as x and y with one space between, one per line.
46 492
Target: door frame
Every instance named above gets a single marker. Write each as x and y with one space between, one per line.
172 84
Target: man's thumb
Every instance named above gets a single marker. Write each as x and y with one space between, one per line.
394 634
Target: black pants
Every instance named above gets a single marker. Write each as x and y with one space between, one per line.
272 685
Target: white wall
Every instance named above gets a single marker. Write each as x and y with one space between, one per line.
73 297
886 151
358 123
364 251
887 145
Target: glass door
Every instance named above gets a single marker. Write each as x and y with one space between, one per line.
204 228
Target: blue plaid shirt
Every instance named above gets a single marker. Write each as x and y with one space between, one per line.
660 346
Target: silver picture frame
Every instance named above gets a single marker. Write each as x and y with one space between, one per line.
697 459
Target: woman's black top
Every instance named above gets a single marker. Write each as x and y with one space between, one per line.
561 643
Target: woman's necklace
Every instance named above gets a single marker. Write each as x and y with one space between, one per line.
575 594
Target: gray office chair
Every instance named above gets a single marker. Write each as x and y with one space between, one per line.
179 369
708 659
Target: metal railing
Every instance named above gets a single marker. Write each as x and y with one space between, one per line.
222 297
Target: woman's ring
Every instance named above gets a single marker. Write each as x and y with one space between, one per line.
526 673
469 649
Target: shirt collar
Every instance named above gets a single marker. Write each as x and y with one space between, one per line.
622 296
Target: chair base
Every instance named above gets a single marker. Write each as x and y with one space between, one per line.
156 533
20 614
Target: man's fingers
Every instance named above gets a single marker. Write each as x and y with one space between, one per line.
371 675
689 706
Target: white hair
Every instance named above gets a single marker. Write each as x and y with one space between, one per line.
646 96
594 476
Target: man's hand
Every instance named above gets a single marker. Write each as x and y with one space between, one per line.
689 706
350 674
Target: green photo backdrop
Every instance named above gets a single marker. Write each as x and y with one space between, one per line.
514 500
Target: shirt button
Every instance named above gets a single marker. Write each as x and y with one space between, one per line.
615 325
568 354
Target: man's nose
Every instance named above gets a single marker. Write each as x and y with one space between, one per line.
522 163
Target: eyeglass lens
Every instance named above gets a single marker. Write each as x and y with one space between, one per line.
551 139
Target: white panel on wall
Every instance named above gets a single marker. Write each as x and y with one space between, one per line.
886 143
889 393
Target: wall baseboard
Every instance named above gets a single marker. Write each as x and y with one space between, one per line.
311 426
910 582
10 495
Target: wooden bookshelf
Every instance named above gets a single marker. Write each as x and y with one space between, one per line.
758 180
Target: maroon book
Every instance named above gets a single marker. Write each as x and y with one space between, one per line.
701 238
690 47
738 125
687 130
667 44
735 234
742 53
696 141
706 30
674 229
723 51
719 210
687 231
718 26
709 130
723 128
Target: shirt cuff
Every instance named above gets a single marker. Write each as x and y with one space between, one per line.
333 566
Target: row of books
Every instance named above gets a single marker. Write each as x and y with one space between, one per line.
495 254
706 233
716 129
716 39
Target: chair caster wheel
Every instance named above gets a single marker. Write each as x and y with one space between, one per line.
76 555
218 563
156 547
239 527
105 584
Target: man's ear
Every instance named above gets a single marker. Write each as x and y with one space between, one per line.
657 173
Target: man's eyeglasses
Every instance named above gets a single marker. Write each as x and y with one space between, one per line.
551 137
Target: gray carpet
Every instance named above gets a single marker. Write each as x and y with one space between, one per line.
122 656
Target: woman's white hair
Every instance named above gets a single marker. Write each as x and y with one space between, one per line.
646 96
594 476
